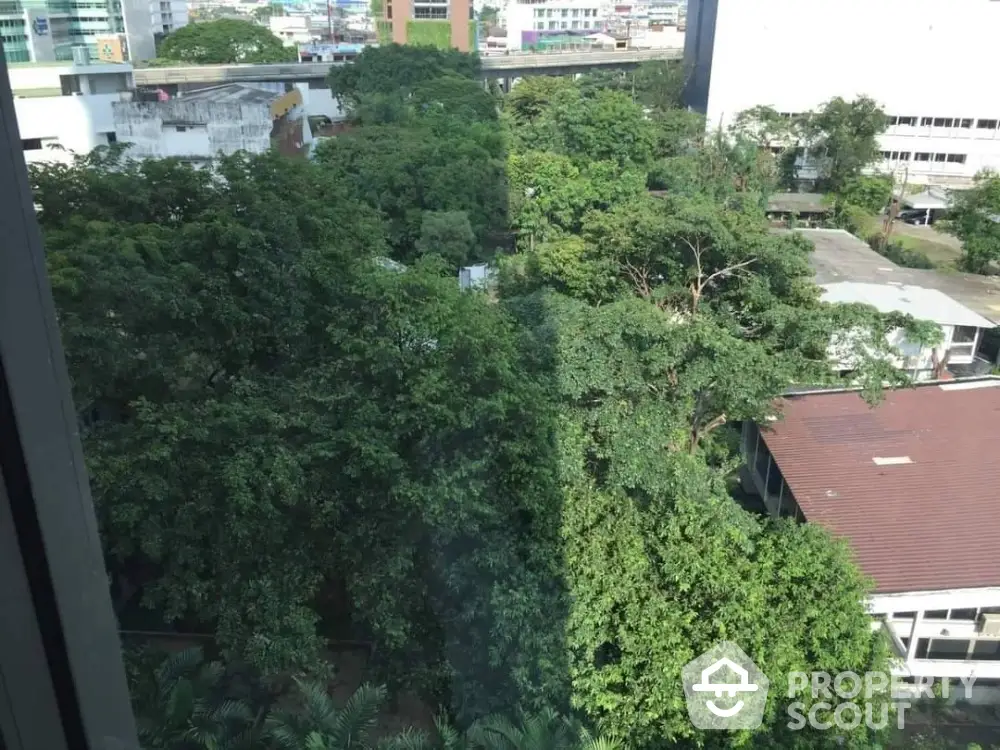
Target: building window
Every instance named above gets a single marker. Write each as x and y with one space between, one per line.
923 644
907 120
986 124
940 157
956 158
952 649
540 26
565 13
424 13
986 651
903 615
565 25
966 122
548 13
943 122
576 12
553 25
31 144
884 155
935 614
181 128
904 155
575 25
111 137
962 614
926 120
921 156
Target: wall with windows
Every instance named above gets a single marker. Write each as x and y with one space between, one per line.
944 633
918 58
528 21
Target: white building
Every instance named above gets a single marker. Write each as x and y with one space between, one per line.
67 108
961 328
533 23
911 486
918 58
293 30
168 15
963 305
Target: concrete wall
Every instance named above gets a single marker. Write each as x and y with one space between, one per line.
77 123
192 130
923 58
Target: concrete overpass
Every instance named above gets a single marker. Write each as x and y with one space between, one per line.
500 66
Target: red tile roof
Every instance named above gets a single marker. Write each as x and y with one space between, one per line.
923 526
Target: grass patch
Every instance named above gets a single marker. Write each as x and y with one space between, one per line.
943 254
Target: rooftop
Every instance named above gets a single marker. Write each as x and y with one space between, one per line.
231 93
840 256
926 304
811 203
911 484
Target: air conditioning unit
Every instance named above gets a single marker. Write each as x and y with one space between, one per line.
989 625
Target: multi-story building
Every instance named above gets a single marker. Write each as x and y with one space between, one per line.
911 486
167 15
52 30
67 108
439 23
795 55
536 23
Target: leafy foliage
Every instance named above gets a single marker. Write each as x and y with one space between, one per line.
843 139
973 219
227 40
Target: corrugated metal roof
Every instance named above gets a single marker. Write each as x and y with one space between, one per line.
921 303
928 524
235 93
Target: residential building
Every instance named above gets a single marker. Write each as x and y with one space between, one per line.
64 108
198 125
965 306
65 30
438 23
911 486
794 56
535 24
167 16
293 30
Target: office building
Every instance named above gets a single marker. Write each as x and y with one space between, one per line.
39 31
536 24
920 59
438 23
167 16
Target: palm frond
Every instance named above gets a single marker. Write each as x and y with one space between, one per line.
319 708
601 743
494 733
357 719
449 738
408 739
178 665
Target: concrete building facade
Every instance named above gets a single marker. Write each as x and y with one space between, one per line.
532 24
438 23
62 30
167 16
65 109
917 58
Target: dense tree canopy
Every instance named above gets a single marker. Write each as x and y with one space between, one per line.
300 432
227 40
975 219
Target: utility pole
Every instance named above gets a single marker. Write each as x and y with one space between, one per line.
890 218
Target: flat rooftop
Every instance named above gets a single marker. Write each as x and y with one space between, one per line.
920 302
230 93
810 203
840 256
911 484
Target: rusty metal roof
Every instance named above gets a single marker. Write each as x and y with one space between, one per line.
913 484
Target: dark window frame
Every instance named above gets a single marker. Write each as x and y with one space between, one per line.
58 637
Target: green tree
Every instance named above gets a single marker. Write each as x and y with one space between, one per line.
263 15
224 41
448 234
974 218
182 704
396 69
869 192
842 139
531 96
